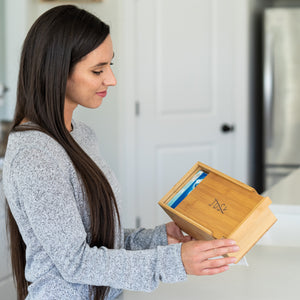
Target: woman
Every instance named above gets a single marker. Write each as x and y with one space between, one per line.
66 238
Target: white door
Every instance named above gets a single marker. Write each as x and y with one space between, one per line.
185 91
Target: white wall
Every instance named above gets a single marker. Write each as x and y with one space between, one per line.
103 120
1 39
15 19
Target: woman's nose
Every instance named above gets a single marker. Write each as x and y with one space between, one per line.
110 79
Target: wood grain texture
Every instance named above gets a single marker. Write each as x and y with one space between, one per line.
221 207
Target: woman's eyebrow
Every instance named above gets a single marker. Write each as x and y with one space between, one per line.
101 64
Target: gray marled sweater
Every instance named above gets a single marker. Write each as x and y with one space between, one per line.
46 199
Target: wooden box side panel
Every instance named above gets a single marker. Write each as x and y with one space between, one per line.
189 226
253 228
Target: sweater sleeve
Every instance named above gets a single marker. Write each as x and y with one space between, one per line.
47 194
139 239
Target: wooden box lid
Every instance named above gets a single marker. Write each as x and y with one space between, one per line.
220 207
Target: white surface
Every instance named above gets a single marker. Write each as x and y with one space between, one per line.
286 231
273 274
286 207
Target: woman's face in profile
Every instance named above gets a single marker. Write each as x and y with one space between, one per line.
88 83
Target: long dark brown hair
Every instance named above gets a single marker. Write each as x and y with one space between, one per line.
59 39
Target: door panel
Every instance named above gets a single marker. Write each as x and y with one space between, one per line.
179 70
184 87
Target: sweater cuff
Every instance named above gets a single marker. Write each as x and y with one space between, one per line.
171 266
161 232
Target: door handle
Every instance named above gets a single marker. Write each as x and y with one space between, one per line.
227 128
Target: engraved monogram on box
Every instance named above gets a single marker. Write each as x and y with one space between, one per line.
216 204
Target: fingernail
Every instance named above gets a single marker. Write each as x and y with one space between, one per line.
232 242
236 248
233 260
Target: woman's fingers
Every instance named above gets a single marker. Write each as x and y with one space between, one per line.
216 266
218 262
186 238
214 244
213 271
175 235
211 253
199 257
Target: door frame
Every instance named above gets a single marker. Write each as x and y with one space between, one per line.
242 92
128 96
126 115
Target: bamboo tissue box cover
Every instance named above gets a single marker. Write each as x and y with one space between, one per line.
208 204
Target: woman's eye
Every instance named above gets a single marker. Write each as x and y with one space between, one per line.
97 72
101 71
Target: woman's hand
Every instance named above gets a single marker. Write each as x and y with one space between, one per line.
199 257
175 235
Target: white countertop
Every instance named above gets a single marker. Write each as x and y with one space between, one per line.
274 263
273 274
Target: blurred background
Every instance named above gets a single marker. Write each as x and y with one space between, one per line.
196 82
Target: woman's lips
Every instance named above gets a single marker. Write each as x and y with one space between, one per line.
102 94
